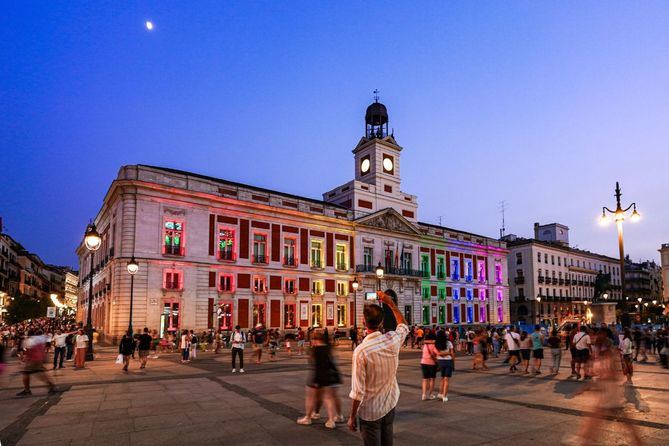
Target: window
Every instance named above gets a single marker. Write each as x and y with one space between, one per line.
541 291
456 314
498 272
481 267
482 315
538 257
426 315
289 286
441 293
559 264
316 254
340 260
174 238
406 261
425 265
500 314
389 259
317 287
521 293
519 258
289 315
469 295
260 248
289 258
426 292
546 258
259 284
170 317
368 257
226 244
442 314
519 273
469 270
455 269
481 295
341 315
342 288
500 295
316 315
456 294
441 268
552 260
258 314
470 315
225 283
407 314
173 280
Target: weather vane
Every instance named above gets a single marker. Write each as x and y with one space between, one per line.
376 95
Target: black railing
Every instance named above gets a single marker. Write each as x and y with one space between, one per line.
289 261
341 266
174 250
392 271
541 279
316 263
227 255
519 280
259 258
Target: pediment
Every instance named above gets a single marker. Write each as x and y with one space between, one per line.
390 220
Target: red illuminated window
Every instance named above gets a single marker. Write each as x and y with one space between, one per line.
226 244
173 280
225 283
260 248
289 257
259 284
225 316
289 286
289 315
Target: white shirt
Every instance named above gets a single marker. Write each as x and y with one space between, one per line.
626 346
59 340
237 340
581 341
447 356
184 341
81 341
374 373
510 343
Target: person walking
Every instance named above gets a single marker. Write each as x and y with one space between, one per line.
555 344
300 341
144 342
59 348
185 346
428 365
374 388
513 346
525 349
626 350
194 340
126 348
495 343
34 348
582 345
258 342
323 377
238 340
537 348
69 346
445 362
81 346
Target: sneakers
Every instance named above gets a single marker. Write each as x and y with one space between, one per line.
339 419
24 393
304 421
241 370
445 398
234 371
330 424
440 396
432 397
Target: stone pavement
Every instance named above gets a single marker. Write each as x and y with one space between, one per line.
204 403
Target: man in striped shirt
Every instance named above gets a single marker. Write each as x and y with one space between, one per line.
374 388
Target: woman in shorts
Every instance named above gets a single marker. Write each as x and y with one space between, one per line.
445 361
525 349
428 365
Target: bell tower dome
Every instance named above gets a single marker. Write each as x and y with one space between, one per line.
376 119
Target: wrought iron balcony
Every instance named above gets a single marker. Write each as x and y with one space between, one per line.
391 271
289 261
316 263
519 280
260 258
341 266
541 279
174 250
227 255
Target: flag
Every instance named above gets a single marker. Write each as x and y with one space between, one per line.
397 253
402 254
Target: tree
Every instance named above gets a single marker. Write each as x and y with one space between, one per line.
24 307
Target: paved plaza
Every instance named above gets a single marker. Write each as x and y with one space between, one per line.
204 403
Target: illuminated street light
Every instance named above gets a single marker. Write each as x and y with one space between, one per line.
93 241
355 284
619 216
132 267
379 275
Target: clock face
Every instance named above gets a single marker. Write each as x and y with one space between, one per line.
364 166
388 164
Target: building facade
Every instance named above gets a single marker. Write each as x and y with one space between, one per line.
215 253
664 271
550 281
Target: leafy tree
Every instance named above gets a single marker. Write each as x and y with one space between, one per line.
25 307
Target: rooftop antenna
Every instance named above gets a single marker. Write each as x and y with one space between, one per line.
502 208
376 95
439 218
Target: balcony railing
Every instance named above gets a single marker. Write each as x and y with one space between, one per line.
227 255
468 278
555 281
441 275
455 277
392 271
317 263
289 261
541 279
174 250
341 266
519 280
560 281
260 258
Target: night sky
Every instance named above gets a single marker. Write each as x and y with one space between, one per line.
542 105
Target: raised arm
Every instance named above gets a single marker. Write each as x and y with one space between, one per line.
383 297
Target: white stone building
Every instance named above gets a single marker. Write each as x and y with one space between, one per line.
551 281
215 253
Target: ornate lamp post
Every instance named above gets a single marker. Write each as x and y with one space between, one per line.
539 312
619 215
133 267
93 241
379 275
355 284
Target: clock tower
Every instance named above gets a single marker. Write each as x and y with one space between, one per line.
377 171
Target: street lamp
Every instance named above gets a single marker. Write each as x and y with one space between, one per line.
93 241
132 267
379 275
355 284
539 312
619 216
